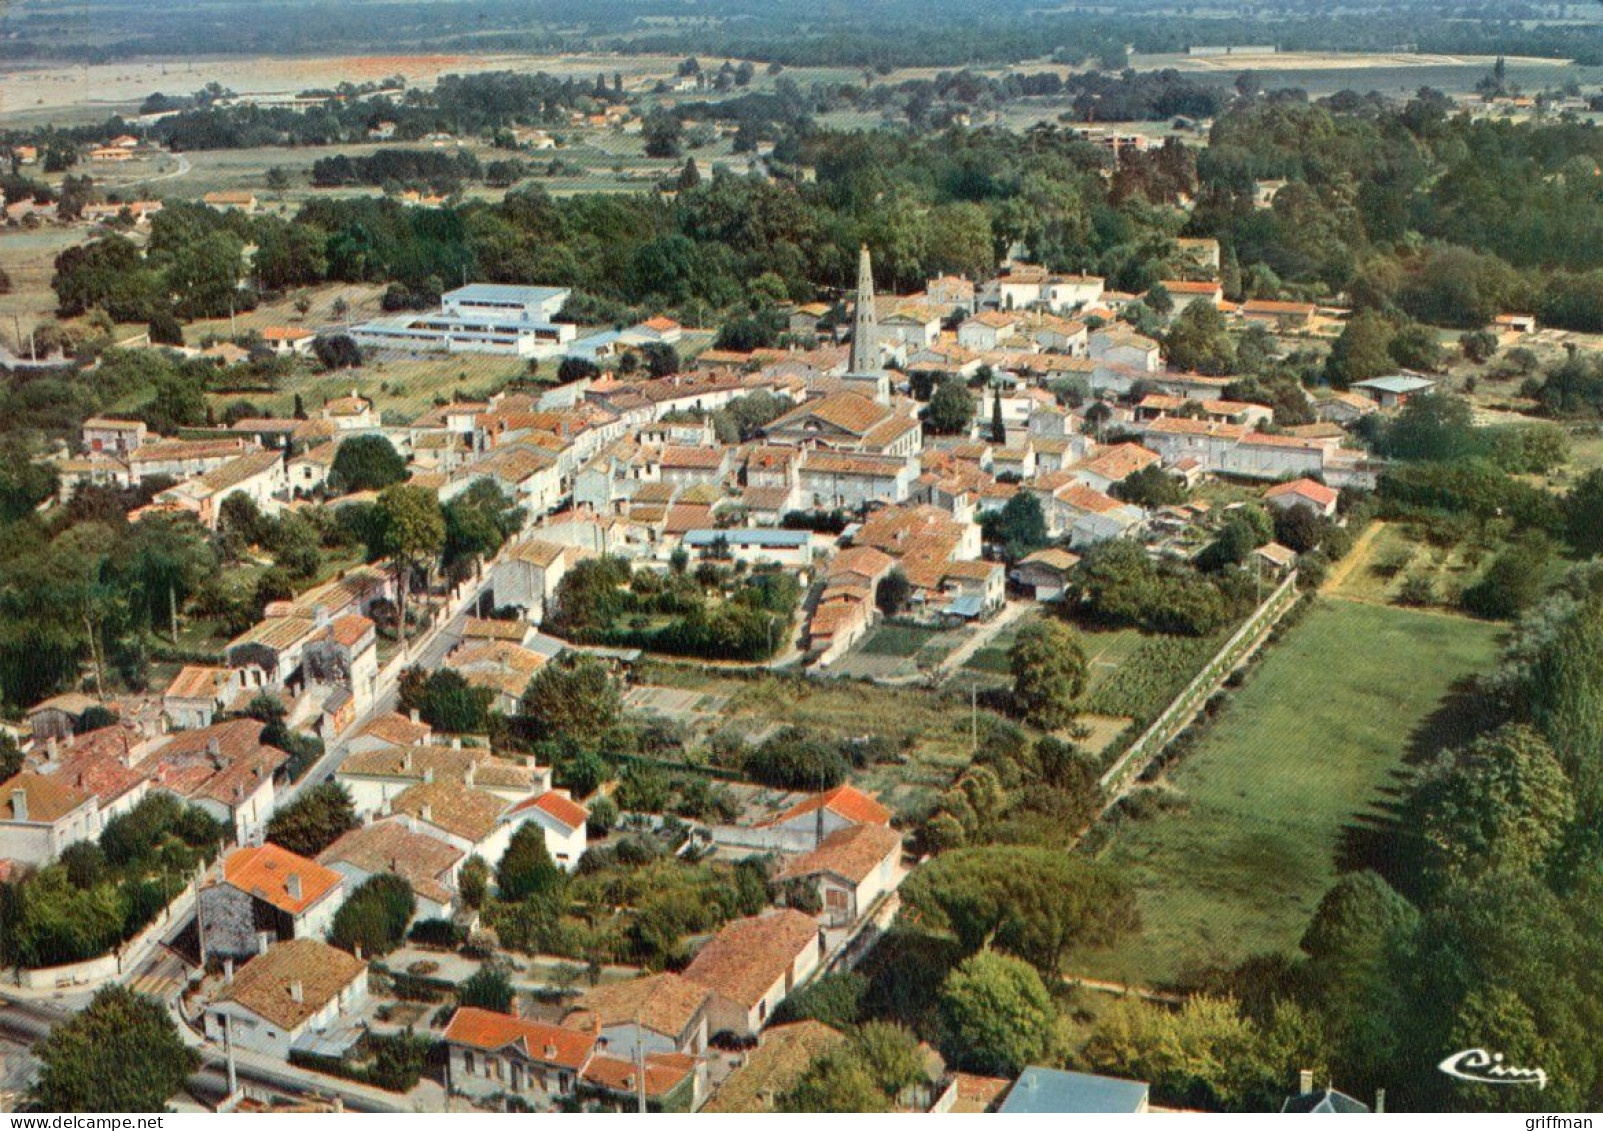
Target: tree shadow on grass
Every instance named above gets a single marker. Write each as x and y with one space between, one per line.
1379 839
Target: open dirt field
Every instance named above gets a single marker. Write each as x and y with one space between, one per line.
107 87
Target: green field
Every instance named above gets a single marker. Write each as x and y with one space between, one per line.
1284 784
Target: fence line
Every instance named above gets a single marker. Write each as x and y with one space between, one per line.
1184 707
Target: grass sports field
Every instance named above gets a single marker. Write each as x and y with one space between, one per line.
1283 786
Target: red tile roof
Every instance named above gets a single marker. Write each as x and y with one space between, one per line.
1307 488
552 803
665 1071
265 873
851 853
548 1044
48 799
844 801
744 960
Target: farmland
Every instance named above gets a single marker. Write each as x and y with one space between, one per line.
1283 789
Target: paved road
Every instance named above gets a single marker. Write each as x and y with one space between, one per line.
429 652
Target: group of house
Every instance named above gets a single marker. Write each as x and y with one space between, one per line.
264 911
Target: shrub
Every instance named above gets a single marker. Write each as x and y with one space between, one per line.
375 916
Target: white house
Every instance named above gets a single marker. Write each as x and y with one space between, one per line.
40 815
1307 493
753 964
428 865
380 773
847 480
987 330
284 340
493 1053
658 1013
260 476
1088 516
851 869
265 891
1069 292
301 993
817 817
1121 345
527 575
563 821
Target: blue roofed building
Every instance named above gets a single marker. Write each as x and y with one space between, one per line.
751 544
1042 1091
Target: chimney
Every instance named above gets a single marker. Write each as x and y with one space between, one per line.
428 775
550 1051
427 814
50 745
1380 1101
19 805
406 762
228 971
264 939
295 889
358 952
296 992
467 779
1305 1082
456 743
415 719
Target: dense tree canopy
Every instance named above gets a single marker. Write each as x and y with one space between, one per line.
121 1054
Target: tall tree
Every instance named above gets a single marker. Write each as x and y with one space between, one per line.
367 463
1049 668
121 1054
412 533
1500 805
526 868
1034 903
999 1016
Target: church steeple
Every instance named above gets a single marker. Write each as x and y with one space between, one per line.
865 326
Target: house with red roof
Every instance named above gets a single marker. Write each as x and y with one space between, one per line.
563 821
818 816
753 965
42 814
302 994
1307 493
851 869
258 896
489 1053
659 329
670 1081
288 339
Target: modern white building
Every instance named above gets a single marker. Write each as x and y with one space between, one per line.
479 318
